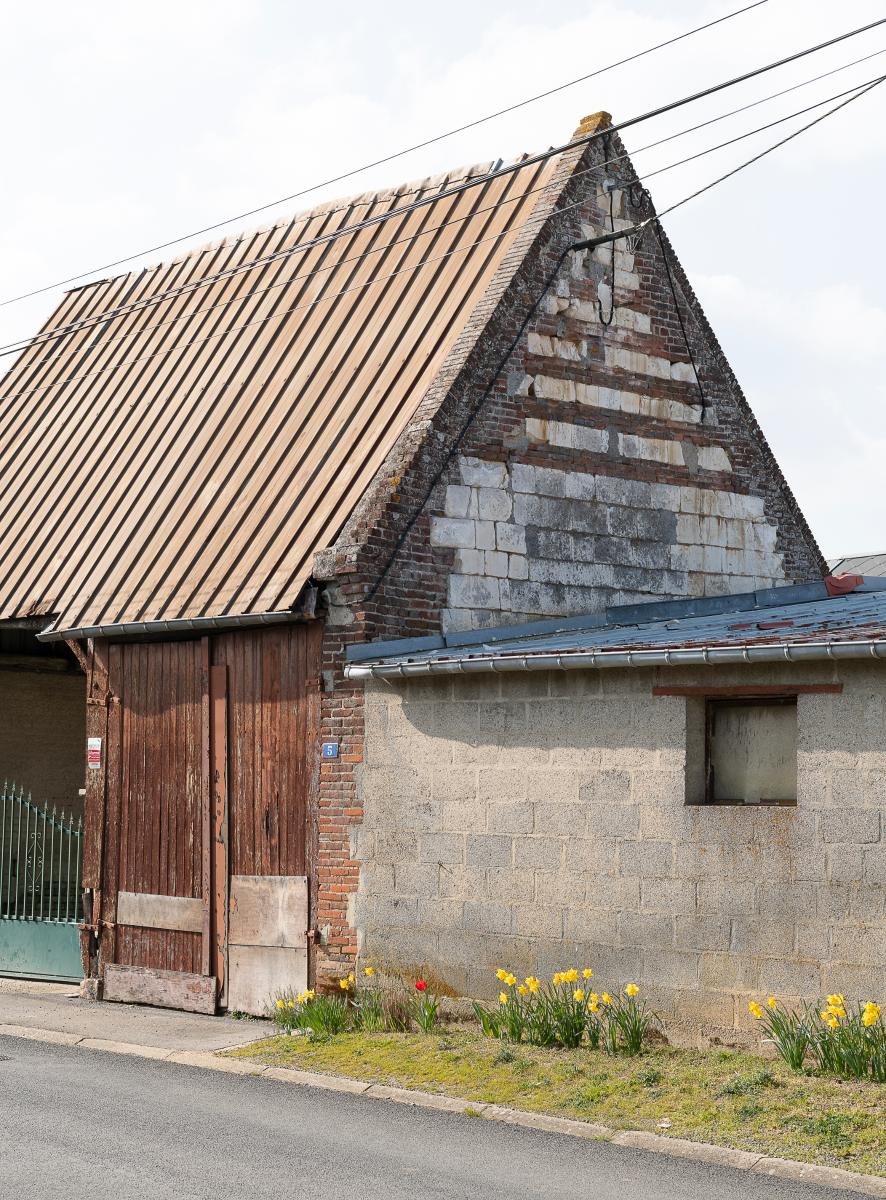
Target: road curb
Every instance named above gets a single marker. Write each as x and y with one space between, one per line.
702 1152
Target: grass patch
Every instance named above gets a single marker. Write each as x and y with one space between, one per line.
728 1098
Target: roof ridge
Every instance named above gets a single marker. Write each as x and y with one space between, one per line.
428 183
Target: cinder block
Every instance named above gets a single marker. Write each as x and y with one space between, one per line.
850 825
560 888
702 933
514 818
786 977
845 863
670 968
675 896
644 929
510 884
488 850
464 816
395 846
647 859
441 848
534 920
566 820
482 916
720 971
541 852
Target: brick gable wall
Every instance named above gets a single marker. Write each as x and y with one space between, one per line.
588 473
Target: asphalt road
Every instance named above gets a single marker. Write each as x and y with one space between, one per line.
79 1123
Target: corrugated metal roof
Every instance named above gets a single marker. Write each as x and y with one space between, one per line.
804 614
156 468
859 564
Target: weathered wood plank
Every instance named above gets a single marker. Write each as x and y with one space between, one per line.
166 989
259 974
151 911
268 910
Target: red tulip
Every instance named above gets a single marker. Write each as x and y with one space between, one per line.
420 985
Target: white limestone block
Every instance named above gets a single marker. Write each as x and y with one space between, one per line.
510 537
652 449
451 531
479 473
518 567
713 458
485 535
496 564
458 500
469 562
472 591
683 372
494 504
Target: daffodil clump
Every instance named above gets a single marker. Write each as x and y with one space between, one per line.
360 1005
566 1012
842 1038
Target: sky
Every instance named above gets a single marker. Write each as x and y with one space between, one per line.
130 125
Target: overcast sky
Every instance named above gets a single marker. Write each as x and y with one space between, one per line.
128 125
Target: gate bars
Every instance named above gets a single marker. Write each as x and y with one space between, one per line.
40 861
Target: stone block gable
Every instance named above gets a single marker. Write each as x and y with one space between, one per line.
596 471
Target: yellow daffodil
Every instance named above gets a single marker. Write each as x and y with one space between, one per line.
833 1023
502 997
369 972
772 1002
631 990
309 995
532 983
606 998
350 978
837 999
587 973
869 1018
593 998
578 995
595 1007
290 1004
572 976
501 974
281 1004
510 980
523 989
755 1010
344 984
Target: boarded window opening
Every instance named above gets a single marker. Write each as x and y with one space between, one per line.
751 751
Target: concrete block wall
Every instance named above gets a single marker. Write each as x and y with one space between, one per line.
537 821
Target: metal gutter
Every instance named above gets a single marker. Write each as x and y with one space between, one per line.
599 659
181 625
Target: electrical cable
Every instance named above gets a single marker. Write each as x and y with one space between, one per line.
475 408
406 270
103 318
456 189
386 159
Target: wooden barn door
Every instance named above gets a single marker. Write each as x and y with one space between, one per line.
272 679
210 773
163 934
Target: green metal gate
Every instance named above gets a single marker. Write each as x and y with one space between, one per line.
40 900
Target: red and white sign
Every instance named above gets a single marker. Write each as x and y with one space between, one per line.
94 754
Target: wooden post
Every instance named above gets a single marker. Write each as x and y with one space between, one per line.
98 699
218 693
206 842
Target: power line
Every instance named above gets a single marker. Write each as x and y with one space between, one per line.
386 159
528 161
103 318
637 229
774 146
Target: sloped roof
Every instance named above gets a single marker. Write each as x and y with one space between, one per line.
859 564
187 457
794 621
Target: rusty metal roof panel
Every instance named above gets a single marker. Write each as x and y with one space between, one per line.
206 425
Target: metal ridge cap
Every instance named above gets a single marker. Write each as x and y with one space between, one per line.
740 652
